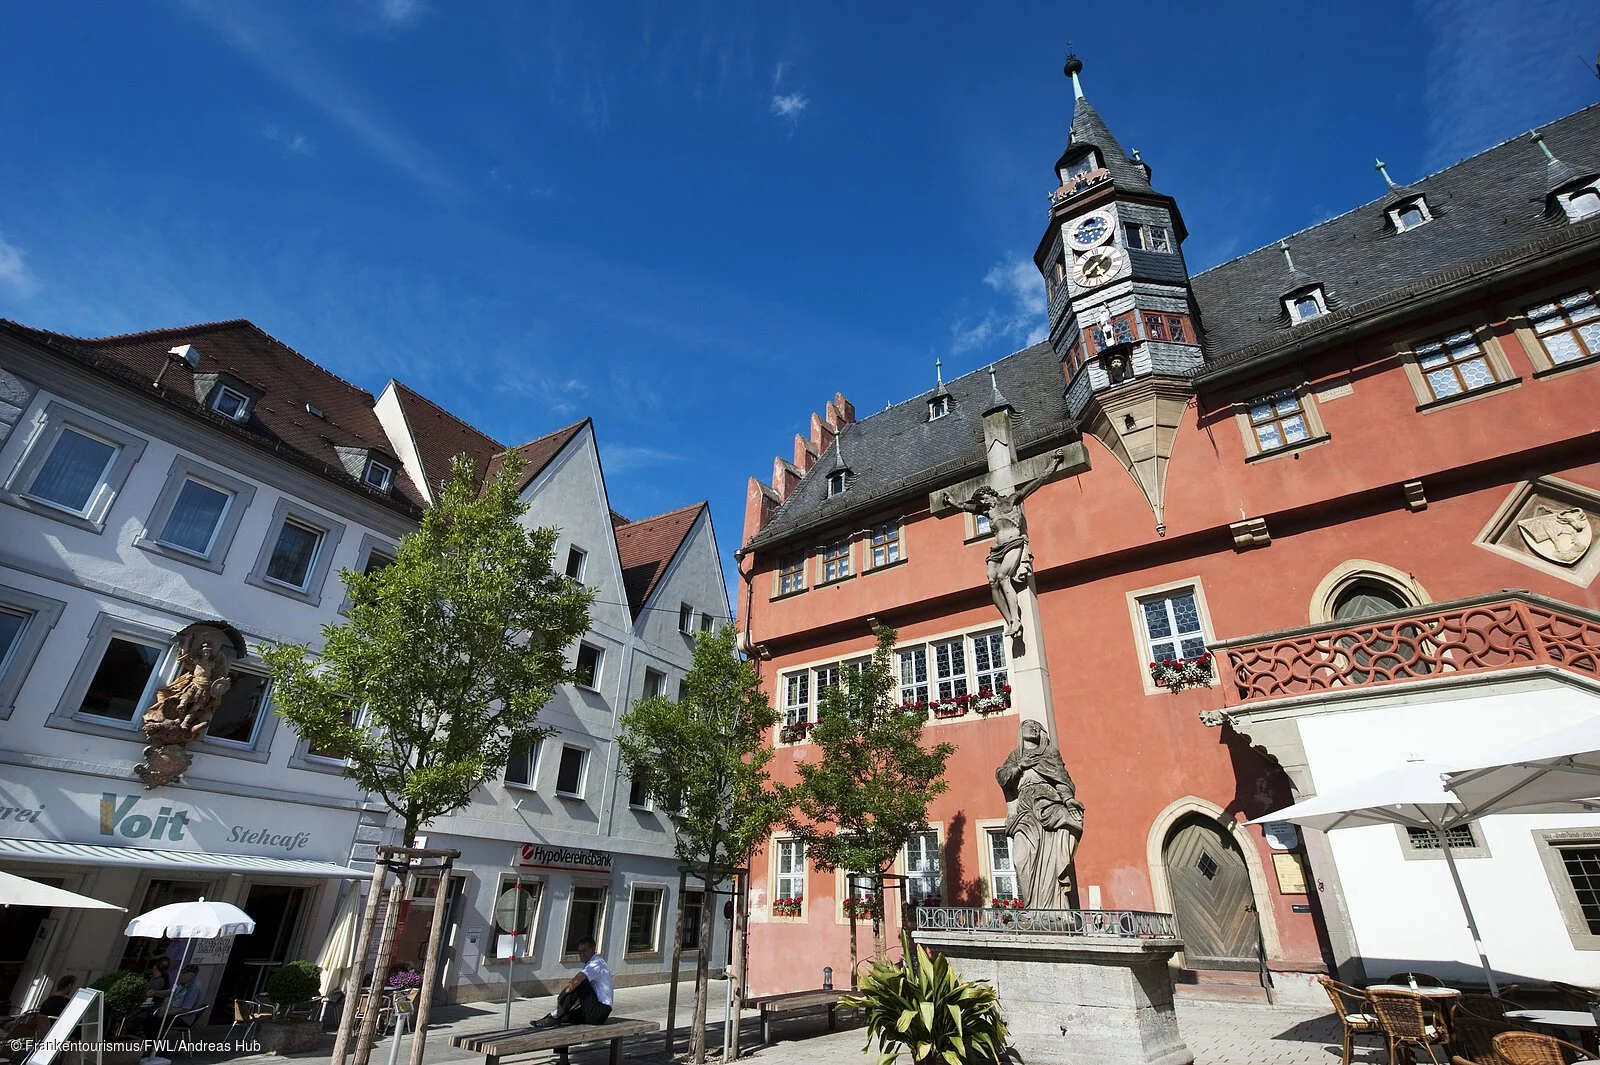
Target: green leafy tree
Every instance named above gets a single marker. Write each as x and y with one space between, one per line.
859 802
447 655
704 759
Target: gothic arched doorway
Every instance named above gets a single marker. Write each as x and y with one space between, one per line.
1211 896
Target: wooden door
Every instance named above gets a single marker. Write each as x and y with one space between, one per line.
1211 897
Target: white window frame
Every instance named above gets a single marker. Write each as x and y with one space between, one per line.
306 758
833 561
686 619
600 920
644 802
1160 239
886 544
1574 205
690 923
582 557
39 615
658 688
948 682
938 407
1397 214
265 719
1488 349
1550 842
1297 314
783 883
1141 642
183 470
1533 332
532 759
385 472
106 627
1133 235
222 392
911 688
583 771
991 874
593 683
47 427
791 575
796 696
838 482
634 891
1249 426
993 638
321 562
913 863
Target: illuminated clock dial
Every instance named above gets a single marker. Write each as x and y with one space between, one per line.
1097 267
1091 231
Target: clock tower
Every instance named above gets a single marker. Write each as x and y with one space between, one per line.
1122 316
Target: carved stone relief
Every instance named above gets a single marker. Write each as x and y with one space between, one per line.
1548 524
183 708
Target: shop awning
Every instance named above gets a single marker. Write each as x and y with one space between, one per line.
36 850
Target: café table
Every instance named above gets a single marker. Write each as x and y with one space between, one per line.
1580 1024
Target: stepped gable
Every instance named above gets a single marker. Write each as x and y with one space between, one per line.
1484 208
287 382
646 547
898 453
536 454
440 436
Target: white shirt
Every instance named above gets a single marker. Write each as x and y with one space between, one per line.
599 977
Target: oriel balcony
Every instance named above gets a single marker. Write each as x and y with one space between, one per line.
1505 630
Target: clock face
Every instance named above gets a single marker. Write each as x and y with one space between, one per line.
1091 231
1097 267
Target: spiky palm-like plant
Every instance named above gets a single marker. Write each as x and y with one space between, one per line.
929 1012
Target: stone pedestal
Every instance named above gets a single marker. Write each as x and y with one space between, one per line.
1075 1000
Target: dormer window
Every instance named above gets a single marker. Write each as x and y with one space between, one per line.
838 481
938 407
1305 304
378 475
1581 202
1409 214
230 403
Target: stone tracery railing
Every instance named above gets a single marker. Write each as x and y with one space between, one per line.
1122 924
1504 631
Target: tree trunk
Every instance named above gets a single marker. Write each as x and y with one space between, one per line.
702 972
677 965
878 948
741 922
850 894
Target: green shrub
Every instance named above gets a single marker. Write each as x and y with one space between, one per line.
123 991
297 982
929 1013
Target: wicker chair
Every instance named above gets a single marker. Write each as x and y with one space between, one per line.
1404 1025
1574 996
1472 1033
1484 1005
1354 1010
1534 1048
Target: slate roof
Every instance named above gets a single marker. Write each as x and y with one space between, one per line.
645 549
1089 128
897 453
536 454
440 436
278 421
1483 207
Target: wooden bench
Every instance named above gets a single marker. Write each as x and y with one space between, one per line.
795 1002
504 1043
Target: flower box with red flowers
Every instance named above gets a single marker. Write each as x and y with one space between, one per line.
985 702
1179 673
1008 904
866 907
792 906
797 731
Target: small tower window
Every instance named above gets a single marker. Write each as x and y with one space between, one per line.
1409 214
1160 239
1306 304
938 407
1133 233
1155 327
1122 331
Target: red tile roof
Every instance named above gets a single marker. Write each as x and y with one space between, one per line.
537 454
440 436
288 381
645 549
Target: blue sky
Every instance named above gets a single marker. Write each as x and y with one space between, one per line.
693 221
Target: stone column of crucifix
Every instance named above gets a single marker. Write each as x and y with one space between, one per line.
997 494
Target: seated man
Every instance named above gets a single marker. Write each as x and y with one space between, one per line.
52 1006
188 995
587 997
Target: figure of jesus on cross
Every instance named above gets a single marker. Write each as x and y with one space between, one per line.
1010 559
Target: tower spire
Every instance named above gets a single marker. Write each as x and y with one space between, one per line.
1071 69
1383 169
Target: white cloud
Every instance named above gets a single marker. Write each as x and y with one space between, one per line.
625 458
292 143
402 12
250 30
777 74
14 272
790 105
1018 318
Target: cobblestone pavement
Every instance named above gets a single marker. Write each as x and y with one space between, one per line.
1219 1033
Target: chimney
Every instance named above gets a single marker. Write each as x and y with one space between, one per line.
804 454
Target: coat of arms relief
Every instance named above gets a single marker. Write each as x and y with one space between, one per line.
1562 536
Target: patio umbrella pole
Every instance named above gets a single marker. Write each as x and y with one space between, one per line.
166 1007
1466 907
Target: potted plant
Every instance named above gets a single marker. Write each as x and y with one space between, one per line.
295 984
929 1012
1176 674
993 702
791 906
864 908
122 993
1008 906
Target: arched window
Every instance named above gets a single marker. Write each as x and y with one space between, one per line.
1367 597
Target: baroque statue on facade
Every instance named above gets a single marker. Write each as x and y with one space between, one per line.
1010 560
182 709
1045 821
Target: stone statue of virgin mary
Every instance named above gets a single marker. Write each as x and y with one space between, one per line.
1046 819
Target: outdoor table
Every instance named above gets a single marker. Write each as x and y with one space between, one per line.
1575 1019
1425 992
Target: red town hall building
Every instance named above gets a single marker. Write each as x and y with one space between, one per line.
1358 469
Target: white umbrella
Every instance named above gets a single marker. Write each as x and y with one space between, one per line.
188 921
1554 773
338 953
1413 795
20 891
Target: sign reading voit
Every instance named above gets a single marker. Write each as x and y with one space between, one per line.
545 856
